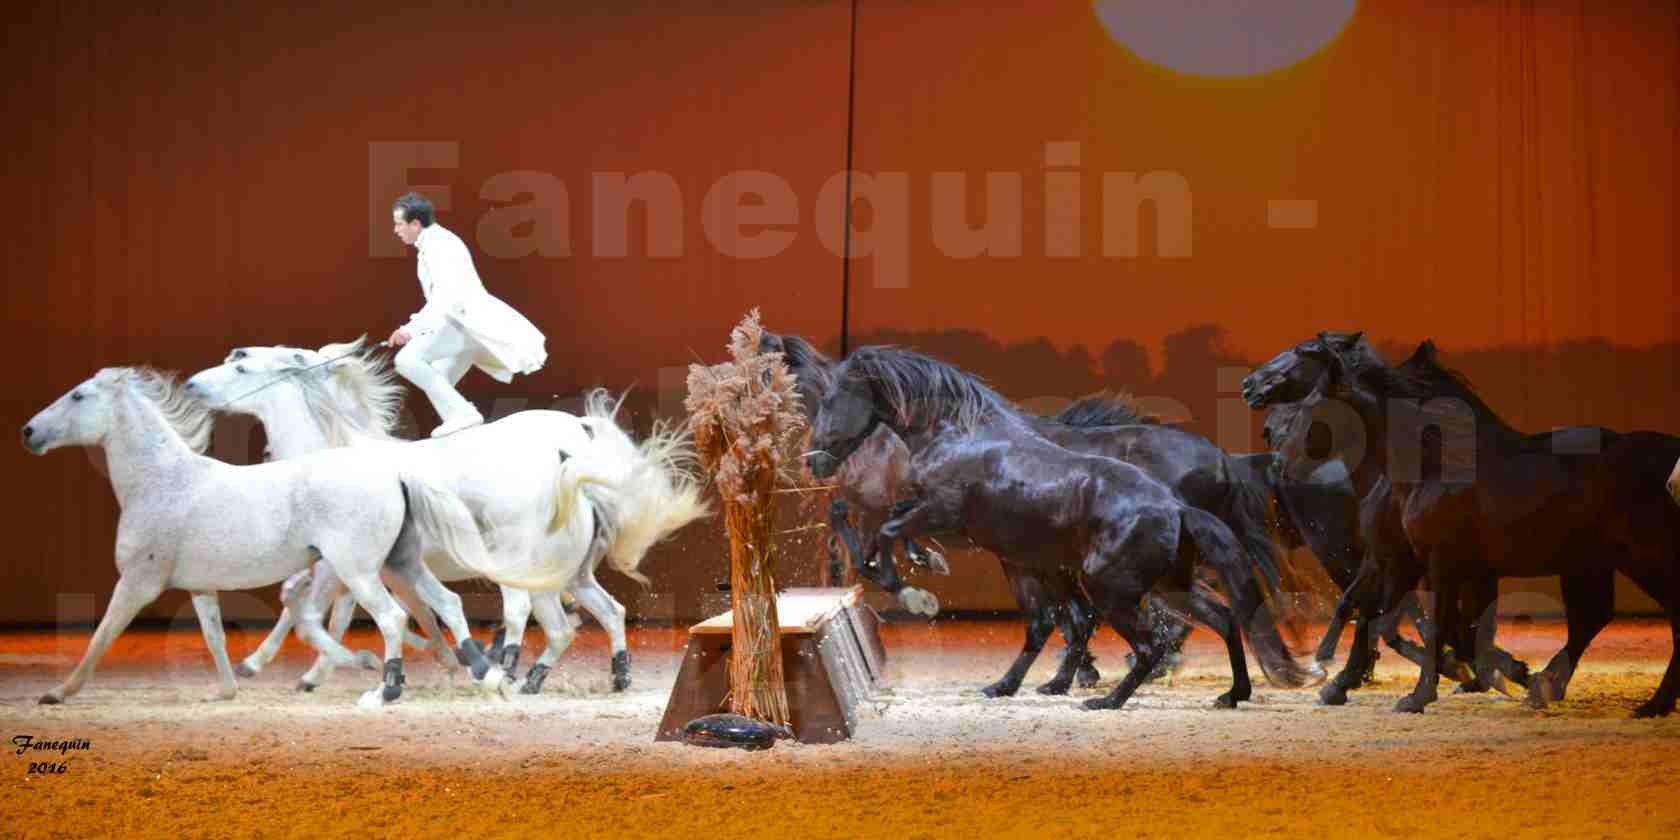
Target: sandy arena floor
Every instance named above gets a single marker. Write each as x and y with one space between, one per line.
932 759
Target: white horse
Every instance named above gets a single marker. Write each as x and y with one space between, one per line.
192 522
343 396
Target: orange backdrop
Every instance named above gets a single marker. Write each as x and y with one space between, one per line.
1498 176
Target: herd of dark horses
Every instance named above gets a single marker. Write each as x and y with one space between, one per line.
1400 480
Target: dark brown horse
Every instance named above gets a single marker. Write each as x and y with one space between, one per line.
1476 499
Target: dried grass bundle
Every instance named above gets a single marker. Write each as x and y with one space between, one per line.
745 413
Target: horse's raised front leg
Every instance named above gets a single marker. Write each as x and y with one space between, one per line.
911 518
129 597
866 560
209 609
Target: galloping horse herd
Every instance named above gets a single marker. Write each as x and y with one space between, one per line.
1397 479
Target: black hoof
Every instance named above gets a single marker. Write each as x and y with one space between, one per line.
1332 695
1225 701
393 680
49 700
534 680
1087 678
1099 704
1410 705
305 686
1540 692
1654 708
999 689
621 670
244 670
472 655
735 731
1475 686
1055 687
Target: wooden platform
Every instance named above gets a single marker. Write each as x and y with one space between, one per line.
832 658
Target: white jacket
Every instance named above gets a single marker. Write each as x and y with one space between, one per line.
455 295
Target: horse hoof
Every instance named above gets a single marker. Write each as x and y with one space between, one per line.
1540 693
220 696
50 700
620 683
1098 704
1654 709
1471 687
996 690
372 699
305 686
493 679
1225 701
1410 705
1054 688
534 680
1087 678
244 670
1332 695
1316 675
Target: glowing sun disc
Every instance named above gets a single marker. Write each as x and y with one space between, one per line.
1224 38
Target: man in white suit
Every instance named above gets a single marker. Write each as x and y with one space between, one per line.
461 325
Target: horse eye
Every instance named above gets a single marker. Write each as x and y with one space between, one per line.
75 396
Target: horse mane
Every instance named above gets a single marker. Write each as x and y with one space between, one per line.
357 397
922 389
802 354
190 419
1423 377
367 377
1105 408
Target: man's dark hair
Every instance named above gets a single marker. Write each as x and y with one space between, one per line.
415 206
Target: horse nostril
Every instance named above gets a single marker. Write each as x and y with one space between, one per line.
28 432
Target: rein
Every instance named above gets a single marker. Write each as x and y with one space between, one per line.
288 372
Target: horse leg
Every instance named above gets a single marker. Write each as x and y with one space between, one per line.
447 605
558 629
270 647
323 586
1375 602
1494 666
516 613
1220 620
1665 589
1040 620
127 599
1589 601
1429 675
209 609
1339 617
403 590
922 516
1124 612
610 614
392 622
1076 625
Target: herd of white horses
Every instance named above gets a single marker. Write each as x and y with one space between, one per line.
346 514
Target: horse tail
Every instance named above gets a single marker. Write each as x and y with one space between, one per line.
642 493
1249 605
442 520
1257 515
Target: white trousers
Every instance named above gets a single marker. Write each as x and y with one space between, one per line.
434 360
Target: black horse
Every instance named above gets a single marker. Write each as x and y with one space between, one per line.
981 468
1476 499
1196 469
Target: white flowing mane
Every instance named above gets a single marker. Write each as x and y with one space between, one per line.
190 419
356 398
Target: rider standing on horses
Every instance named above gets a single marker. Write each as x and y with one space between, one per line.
461 325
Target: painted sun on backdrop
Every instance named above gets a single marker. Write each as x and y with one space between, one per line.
1224 38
